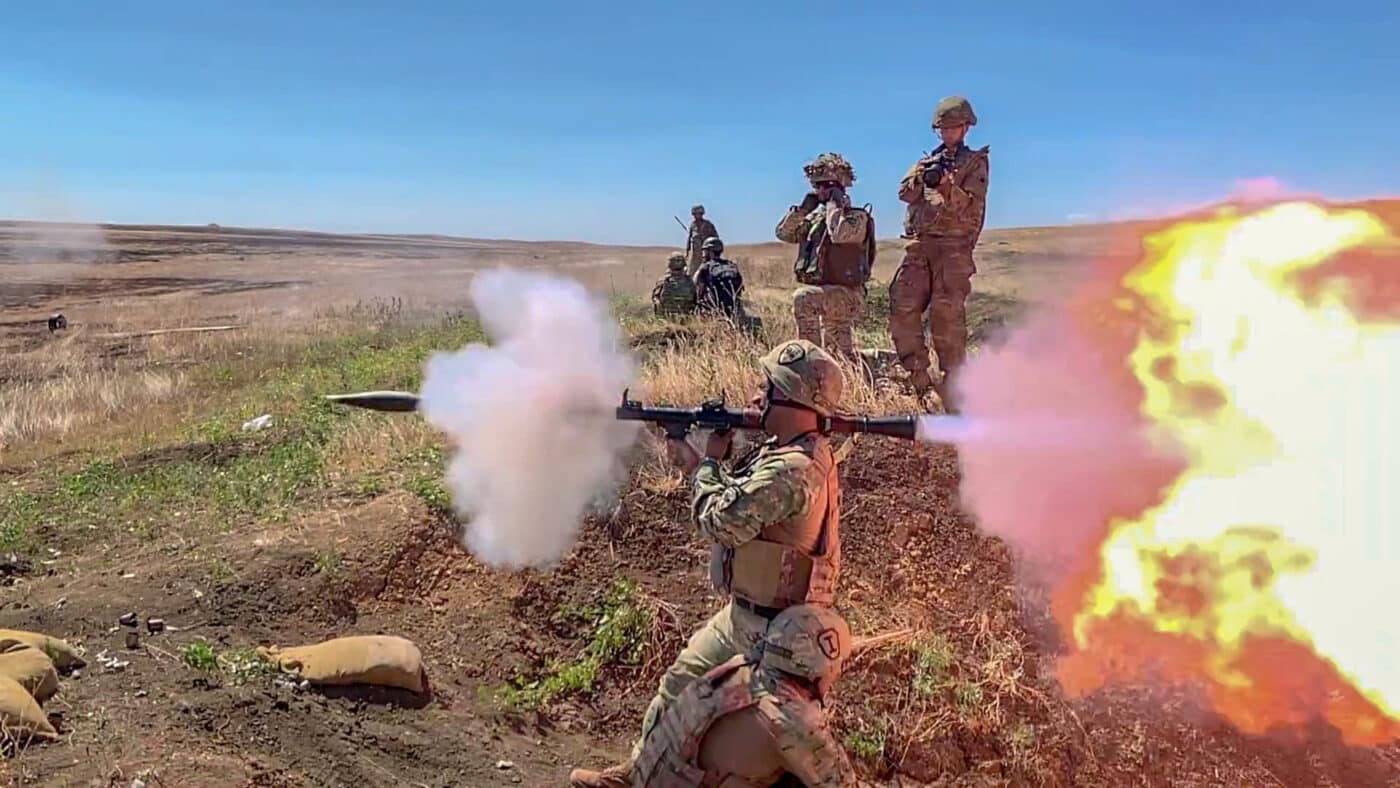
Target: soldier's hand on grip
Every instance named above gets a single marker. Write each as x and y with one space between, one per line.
719 444
682 455
810 202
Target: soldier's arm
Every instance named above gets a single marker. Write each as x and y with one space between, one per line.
847 225
731 510
971 195
790 228
806 744
911 186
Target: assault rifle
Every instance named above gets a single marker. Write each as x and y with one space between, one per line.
933 172
712 415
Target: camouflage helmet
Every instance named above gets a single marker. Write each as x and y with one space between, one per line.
808 641
953 111
805 374
830 167
712 244
676 261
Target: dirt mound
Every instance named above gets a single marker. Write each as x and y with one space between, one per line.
972 701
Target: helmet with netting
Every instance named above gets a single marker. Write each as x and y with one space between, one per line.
830 167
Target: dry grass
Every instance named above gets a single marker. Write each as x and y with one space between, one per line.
87 388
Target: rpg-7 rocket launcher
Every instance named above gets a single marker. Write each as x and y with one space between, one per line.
712 415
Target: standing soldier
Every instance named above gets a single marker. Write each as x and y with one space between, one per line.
674 294
835 253
700 229
773 519
749 723
947 196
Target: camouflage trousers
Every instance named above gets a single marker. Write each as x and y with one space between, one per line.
733 630
826 315
935 277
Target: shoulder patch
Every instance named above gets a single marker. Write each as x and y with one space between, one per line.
792 353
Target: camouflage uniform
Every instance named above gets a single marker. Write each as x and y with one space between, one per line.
749 723
835 253
774 523
700 229
719 284
674 293
941 226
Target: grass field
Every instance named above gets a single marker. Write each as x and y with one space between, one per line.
129 484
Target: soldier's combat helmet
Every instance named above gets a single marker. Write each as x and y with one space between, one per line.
954 111
805 375
676 261
712 244
808 641
697 209
830 167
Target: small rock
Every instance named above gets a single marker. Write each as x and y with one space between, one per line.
154 625
259 423
127 620
505 765
111 663
63 600
140 693
137 782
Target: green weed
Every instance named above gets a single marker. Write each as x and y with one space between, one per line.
620 627
245 665
868 742
199 655
932 658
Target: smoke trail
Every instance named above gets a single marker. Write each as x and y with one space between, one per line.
530 416
1052 442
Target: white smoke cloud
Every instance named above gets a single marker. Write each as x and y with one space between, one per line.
58 242
48 225
531 416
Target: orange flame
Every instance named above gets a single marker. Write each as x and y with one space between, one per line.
1225 516
1248 572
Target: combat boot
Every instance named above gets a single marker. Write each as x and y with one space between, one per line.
945 397
612 777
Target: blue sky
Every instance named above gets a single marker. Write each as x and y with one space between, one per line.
599 121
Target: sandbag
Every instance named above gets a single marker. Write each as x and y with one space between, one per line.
31 669
383 660
21 718
63 655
